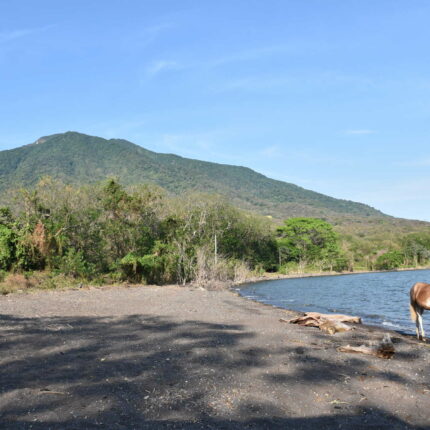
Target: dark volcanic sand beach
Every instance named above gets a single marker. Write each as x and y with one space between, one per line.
177 357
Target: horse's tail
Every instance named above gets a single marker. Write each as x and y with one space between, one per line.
413 312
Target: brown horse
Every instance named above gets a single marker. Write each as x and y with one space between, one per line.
420 300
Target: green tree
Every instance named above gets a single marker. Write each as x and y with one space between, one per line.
6 247
416 248
307 240
390 260
6 238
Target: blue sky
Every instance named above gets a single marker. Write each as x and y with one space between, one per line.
332 95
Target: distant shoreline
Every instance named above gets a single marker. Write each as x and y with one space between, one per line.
276 276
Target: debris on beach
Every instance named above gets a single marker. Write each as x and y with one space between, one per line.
332 327
383 349
328 323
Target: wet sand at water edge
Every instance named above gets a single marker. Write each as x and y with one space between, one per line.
182 357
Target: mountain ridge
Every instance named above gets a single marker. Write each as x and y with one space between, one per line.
78 158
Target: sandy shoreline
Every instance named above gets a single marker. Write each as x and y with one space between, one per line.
182 357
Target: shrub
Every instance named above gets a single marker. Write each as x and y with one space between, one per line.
15 282
341 264
259 270
241 271
73 264
290 267
139 268
50 281
390 260
6 247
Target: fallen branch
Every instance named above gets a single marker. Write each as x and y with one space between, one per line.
329 323
332 327
384 349
48 391
316 319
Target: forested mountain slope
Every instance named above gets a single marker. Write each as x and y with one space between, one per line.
80 159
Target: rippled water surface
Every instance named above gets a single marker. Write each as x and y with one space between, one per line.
379 298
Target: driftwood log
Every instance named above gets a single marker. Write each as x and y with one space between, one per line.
383 349
332 327
329 323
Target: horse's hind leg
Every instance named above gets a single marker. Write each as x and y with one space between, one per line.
415 316
417 327
420 321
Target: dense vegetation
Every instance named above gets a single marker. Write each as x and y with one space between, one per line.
108 233
79 159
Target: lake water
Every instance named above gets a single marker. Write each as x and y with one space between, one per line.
379 298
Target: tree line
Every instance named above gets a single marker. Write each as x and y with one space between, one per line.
109 233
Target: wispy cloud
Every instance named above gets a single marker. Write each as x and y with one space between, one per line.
14 34
359 132
11 35
218 61
159 66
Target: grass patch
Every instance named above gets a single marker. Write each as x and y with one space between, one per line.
26 282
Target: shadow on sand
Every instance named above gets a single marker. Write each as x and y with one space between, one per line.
141 372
